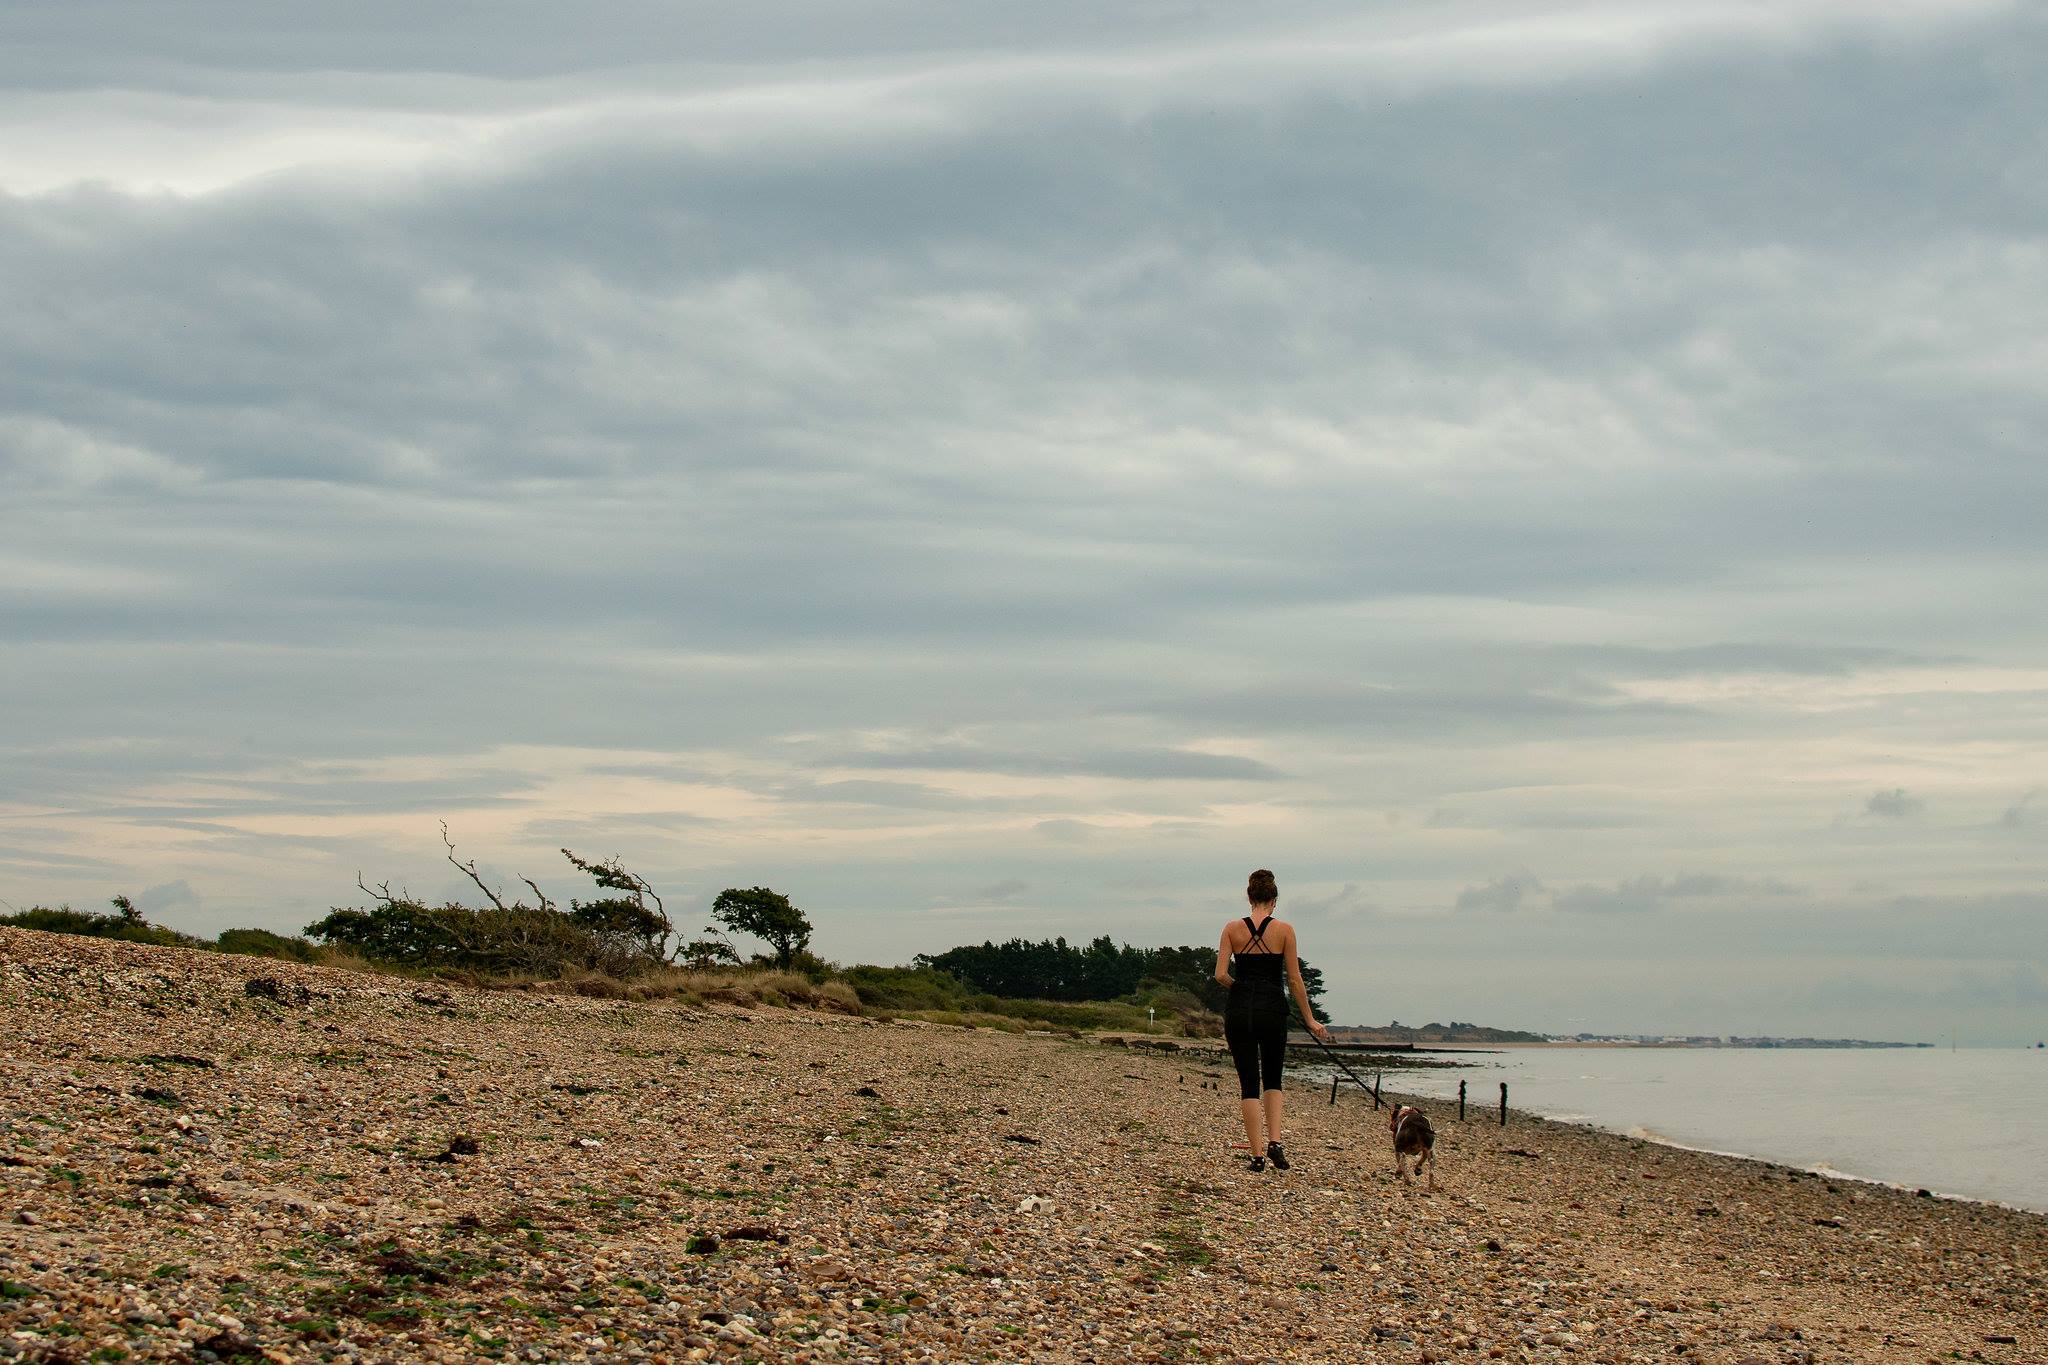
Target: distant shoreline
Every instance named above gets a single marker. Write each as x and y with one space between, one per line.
1781 1045
1772 1046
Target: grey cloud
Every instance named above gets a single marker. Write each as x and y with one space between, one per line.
1713 660
424 798
1648 892
2023 812
1006 894
1347 901
1132 764
1393 710
1895 804
45 856
911 795
2019 986
1504 894
167 896
1566 815
877 795
223 835
613 825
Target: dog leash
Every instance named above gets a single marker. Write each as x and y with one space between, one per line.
1347 1071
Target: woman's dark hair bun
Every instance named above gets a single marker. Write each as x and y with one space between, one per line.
1262 889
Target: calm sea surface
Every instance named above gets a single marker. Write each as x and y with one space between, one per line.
1972 1123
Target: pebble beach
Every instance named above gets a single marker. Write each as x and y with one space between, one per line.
213 1158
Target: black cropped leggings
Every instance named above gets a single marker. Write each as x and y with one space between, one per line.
1257 1034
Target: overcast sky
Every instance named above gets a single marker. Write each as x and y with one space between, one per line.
1561 484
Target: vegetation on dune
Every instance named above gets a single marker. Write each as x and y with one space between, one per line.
623 944
264 943
125 923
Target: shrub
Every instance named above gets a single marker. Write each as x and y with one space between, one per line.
517 938
1061 1014
597 985
905 988
837 995
978 1019
707 951
812 966
263 943
784 988
726 987
126 924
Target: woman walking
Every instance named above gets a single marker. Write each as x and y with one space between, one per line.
1254 951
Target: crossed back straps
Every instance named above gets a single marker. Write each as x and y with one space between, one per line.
1258 933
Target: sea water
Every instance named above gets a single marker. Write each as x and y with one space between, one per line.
1971 1123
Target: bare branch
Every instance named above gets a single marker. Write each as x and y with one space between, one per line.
382 891
469 868
541 895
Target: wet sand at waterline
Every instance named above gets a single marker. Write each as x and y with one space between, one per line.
379 1171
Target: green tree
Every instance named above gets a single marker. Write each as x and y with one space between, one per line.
1191 969
1312 982
768 916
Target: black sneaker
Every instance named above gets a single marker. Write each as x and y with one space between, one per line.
1258 1163
1278 1157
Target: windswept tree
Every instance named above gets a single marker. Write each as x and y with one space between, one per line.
619 935
766 915
629 917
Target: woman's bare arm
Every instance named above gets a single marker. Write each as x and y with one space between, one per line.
1300 987
1223 958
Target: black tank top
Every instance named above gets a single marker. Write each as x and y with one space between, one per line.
1257 973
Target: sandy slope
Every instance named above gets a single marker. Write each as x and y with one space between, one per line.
195 1172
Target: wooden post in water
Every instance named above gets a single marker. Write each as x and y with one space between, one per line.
1461 1101
1503 1104
1375 1090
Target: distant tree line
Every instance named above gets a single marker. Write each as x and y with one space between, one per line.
1053 969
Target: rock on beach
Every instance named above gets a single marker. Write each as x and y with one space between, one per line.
210 1158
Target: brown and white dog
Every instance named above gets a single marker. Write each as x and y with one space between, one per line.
1414 1137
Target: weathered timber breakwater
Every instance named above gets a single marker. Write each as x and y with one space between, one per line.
213 1158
